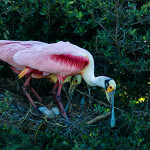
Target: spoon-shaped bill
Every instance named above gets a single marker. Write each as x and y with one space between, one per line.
113 121
110 98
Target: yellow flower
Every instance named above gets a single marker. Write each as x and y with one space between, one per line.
141 99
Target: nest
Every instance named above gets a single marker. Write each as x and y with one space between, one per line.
15 109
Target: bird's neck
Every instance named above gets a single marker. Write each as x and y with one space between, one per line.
96 81
88 74
90 78
100 81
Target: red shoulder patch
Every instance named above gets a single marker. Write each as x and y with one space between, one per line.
71 60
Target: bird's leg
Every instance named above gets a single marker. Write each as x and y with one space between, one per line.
70 93
54 89
59 102
58 98
70 98
90 101
35 93
26 93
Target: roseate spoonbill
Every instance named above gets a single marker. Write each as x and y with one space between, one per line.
64 59
74 82
9 48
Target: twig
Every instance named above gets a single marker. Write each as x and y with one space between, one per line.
54 124
117 26
93 98
98 22
25 117
140 48
100 101
98 118
37 132
141 21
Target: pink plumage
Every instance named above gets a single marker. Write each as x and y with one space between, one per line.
38 59
7 51
9 48
62 58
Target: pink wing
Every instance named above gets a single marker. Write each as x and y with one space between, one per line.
9 48
61 58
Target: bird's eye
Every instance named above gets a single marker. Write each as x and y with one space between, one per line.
110 87
75 81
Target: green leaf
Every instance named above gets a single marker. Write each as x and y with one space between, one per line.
7 32
71 2
133 31
41 13
5 36
80 14
6 2
141 140
148 60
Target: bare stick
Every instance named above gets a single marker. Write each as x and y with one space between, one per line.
98 118
93 98
99 101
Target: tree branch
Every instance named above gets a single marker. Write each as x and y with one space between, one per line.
98 118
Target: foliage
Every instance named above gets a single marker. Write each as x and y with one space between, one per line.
23 134
117 33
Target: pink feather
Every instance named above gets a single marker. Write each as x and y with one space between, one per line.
62 58
9 48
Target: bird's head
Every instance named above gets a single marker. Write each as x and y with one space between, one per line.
75 81
110 87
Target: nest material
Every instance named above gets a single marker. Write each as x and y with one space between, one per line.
16 109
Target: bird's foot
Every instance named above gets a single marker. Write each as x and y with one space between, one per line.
58 98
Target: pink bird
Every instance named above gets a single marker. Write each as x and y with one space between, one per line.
64 59
7 51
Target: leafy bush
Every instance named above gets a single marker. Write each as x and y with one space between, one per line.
117 33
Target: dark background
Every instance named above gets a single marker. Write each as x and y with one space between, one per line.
117 33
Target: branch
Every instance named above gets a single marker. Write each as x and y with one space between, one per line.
140 21
100 101
93 98
98 118
110 34
103 27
